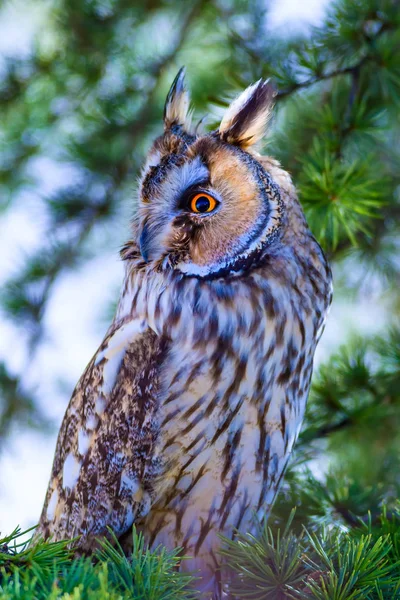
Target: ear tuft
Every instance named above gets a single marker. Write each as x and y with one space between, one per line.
245 121
177 102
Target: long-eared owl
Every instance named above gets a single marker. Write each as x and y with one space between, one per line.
185 418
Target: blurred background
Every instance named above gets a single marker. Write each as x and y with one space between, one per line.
82 87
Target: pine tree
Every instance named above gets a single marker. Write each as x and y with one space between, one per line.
91 95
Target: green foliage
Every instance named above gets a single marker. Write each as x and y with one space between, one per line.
48 570
357 384
143 574
324 563
351 568
267 565
339 197
327 564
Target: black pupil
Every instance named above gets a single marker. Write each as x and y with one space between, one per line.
202 204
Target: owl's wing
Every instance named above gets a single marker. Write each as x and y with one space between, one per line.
104 462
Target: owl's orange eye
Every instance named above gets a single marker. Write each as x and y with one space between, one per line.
202 203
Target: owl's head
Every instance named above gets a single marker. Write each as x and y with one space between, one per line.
207 203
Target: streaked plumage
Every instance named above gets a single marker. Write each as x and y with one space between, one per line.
184 420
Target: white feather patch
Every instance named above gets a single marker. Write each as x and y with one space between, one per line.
51 507
110 371
83 442
114 352
71 470
92 421
100 405
129 483
121 338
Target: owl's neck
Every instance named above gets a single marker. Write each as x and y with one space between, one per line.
192 310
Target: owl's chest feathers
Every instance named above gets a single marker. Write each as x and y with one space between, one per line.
234 381
221 401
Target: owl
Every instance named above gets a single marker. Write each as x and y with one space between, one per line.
185 418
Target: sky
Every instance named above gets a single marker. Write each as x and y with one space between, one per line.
73 327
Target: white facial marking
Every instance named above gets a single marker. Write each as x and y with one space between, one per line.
71 470
181 178
51 507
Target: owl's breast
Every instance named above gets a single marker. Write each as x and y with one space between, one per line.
234 393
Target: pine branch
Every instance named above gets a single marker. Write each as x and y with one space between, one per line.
322 77
323 564
353 70
347 390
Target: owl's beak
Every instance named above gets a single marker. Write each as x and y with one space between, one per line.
144 243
